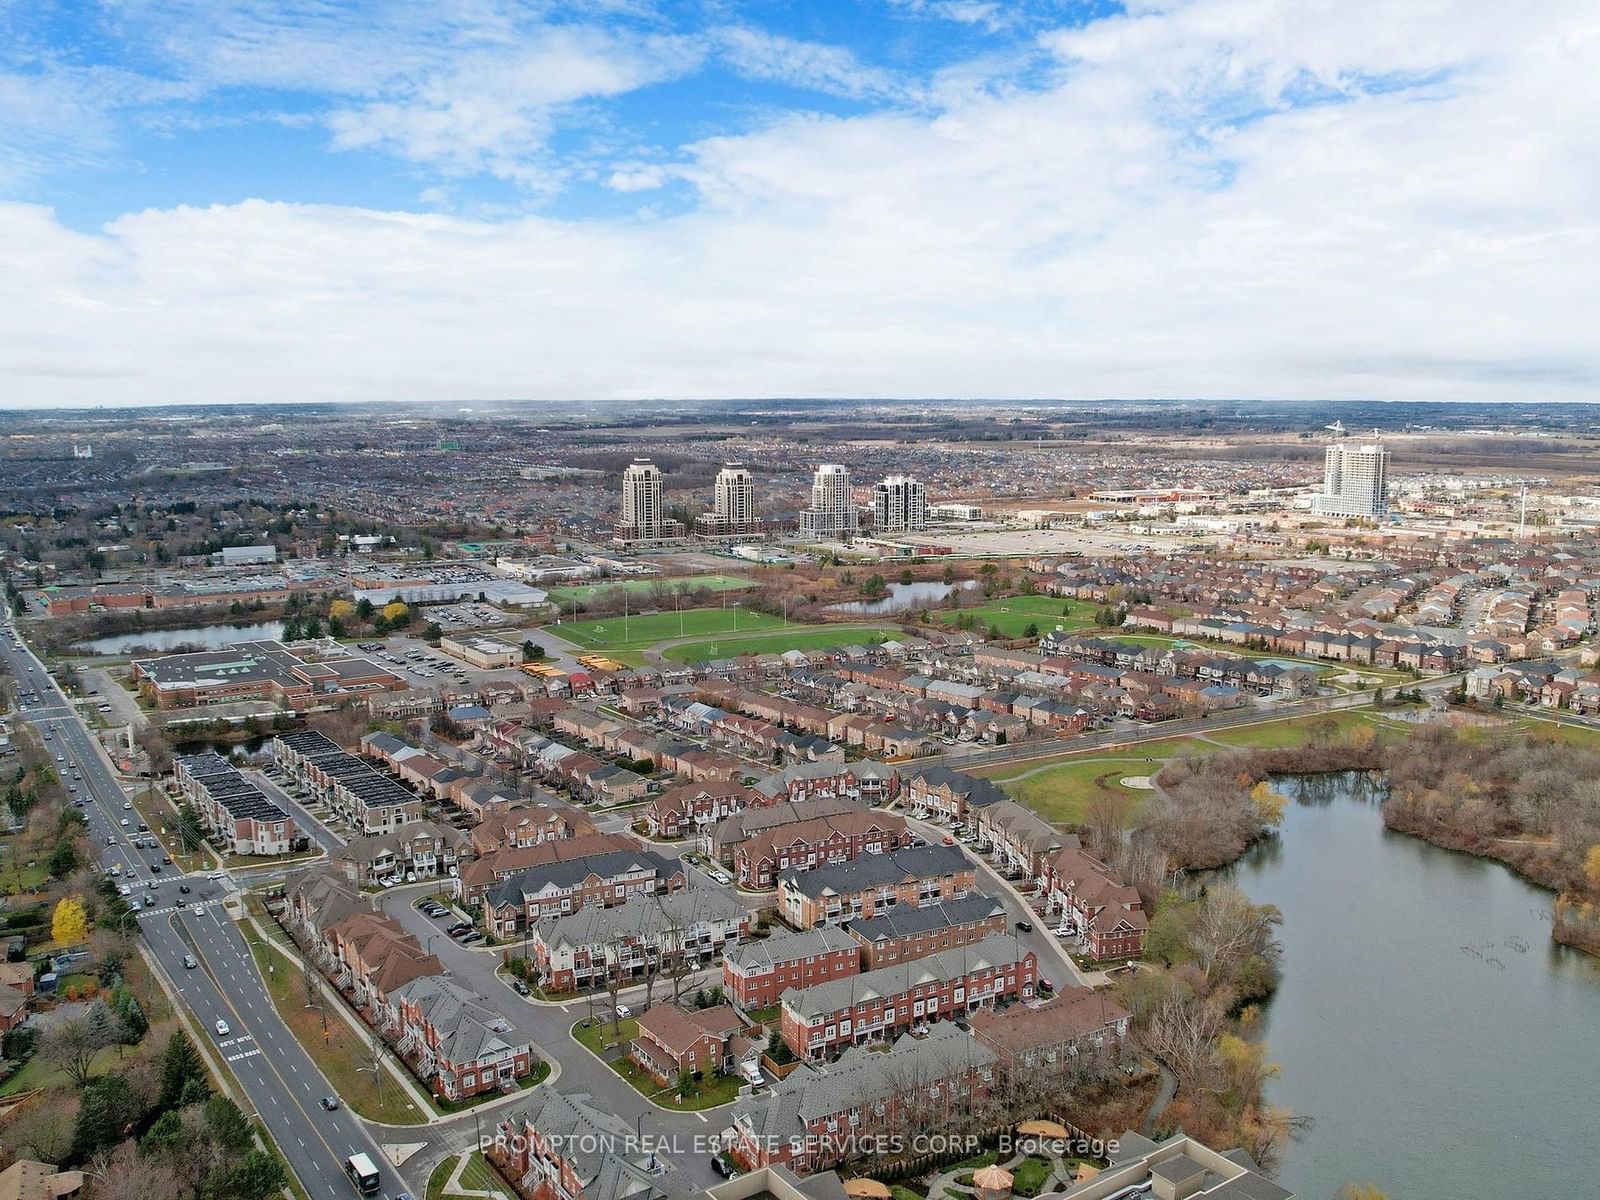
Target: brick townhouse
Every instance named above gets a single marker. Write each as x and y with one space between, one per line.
803 845
453 1039
936 791
566 886
836 893
234 810
368 800
723 838
529 823
673 1040
423 849
865 781
811 1118
495 866
902 933
1022 841
819 1020
1105 912
691 808
1079 1021
755 974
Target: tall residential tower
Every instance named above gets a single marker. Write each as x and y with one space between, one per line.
899 505
644 517
733 509
833 508
1355 480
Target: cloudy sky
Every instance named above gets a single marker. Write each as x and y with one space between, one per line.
224 200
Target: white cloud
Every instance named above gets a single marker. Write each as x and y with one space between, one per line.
816 66
1124 231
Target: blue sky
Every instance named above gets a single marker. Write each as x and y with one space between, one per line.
326 199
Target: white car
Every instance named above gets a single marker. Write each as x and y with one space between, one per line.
127 806
124 890
624 1011
222 1029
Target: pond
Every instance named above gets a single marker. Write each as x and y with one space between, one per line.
903 596
208 637
1441 1043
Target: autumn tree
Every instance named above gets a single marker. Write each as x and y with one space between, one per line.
69 924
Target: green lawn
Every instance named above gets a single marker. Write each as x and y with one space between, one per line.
1029 1175
599 1038
798 637
476 1177
643 587
1291 733
1014 614
339 1053
639 633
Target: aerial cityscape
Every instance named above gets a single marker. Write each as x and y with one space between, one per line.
881 600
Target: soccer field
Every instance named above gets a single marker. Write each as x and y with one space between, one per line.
1014 614
796 637
582 592
639 633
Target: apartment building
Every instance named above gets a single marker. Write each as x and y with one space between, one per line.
899 505
833 511
836 893
643 517
882 1003
733 507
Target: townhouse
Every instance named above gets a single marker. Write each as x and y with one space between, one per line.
902 933
723 838
528 823
567 885
945 794
803 845
878 1004
367 800
836 893
649 934
820 1114
236 813
495 866
865 782
674 1040
1079 1020
756 973
419 850
452 1038
691 808
562 1146
1095 904
1021 840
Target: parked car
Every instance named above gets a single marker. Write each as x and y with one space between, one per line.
1024 926
520 988
624 1011
473 936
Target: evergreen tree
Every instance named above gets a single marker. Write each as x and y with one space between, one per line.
180 1063
107 1110
227 1124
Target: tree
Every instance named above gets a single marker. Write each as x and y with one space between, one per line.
165 1136
532 651
1032 631
63 860
180 1064
433 634
255 1176
396 613
1591 867
69 925
342 610
364 609
72 1045
227 1124
107 1112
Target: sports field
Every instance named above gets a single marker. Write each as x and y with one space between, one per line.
639 633
796 637
1014 614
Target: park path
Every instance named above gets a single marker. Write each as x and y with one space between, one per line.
657 653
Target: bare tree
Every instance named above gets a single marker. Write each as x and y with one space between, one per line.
1107 819
611 963
72 1045
311 987
1229 928
1183 1032
44 1127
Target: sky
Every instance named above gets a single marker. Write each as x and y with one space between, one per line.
324 200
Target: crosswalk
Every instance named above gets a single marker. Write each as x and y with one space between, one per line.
199 906
239 1041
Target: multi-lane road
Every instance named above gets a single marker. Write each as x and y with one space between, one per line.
280 1081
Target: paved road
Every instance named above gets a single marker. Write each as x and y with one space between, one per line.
279 1079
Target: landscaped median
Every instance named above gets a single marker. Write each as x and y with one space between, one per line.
609 1042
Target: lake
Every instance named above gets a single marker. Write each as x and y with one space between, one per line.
903 596
211 637
1442 1044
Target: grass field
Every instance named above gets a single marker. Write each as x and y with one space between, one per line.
797 637
477 1178
639 633
642 587
1014 614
